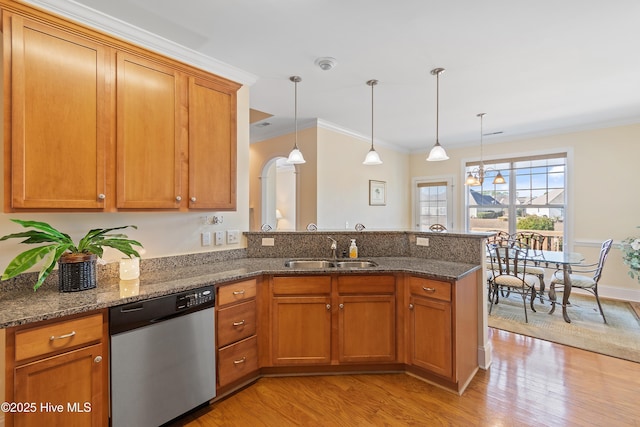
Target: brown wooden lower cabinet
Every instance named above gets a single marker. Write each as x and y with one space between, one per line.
442 330
301 320
332 319
236 333
57 373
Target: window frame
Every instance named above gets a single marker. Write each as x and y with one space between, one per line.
450 182
509 175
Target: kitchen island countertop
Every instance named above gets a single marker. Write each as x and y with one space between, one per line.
23 305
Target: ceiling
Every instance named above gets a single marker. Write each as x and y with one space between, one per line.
536 68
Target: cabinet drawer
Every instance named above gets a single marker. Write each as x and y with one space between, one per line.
41 340
236 292
302 285
430 288
367 284
236 322
237 360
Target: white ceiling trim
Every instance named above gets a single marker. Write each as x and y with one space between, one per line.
123 30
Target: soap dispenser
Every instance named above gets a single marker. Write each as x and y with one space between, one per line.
353 249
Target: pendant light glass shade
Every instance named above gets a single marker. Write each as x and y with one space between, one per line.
372 158
437 153
295 156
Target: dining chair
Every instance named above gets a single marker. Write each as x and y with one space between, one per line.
499 235
508 258
437 227
536 242
586 276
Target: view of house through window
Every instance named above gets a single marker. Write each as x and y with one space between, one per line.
434 204
532 198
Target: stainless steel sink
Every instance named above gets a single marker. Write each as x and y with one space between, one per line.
309 263
356 264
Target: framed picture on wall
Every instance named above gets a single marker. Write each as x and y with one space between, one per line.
377 193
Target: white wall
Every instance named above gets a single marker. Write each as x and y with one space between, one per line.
161 233
343 184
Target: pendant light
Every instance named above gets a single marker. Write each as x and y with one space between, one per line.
295 156
373 158
476 176
437 152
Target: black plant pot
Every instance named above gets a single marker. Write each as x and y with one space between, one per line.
77 272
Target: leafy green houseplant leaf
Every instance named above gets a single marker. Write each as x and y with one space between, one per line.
61 244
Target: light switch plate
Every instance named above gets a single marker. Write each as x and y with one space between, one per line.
205 238
233 237
422 241
219 238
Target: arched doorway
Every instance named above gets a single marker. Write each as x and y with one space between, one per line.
278 180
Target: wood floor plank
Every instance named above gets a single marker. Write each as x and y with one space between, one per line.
530 383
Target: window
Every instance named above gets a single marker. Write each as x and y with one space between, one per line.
533 197
433 204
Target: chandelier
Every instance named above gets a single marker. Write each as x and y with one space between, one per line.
476 176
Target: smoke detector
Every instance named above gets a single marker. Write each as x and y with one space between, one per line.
326 63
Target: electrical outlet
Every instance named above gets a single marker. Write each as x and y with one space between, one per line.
205 238
422 241
268 241
219 236
233 237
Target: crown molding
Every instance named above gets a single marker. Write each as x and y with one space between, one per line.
143 38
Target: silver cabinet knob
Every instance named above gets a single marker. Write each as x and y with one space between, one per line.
410 306
328 306
178 198
101 196
341 306
98 359
193 199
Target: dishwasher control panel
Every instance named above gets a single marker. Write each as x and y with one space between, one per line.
194 298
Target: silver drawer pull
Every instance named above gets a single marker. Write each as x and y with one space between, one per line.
239 361
240 323
428 289
240 292
61 337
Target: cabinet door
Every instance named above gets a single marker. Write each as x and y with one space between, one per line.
301 331
367 328
430 339
212 145
59 123
150 102
66 389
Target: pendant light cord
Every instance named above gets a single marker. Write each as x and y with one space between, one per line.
437 105
295 113
373 83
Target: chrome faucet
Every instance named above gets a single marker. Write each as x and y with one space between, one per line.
334 247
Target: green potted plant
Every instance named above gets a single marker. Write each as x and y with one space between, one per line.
76 261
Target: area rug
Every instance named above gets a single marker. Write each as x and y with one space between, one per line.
619 337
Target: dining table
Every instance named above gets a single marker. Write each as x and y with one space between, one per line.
559 260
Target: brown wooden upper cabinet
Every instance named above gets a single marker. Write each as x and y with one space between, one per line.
150 106
93 123
56 129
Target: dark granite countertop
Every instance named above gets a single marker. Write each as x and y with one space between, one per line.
21 306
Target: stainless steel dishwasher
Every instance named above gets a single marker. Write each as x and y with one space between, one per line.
162 357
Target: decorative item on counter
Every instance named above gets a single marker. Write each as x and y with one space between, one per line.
266 227
360 227
312 227
129 288
129 268
353 249
76 262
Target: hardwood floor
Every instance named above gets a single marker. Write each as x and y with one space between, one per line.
531 382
